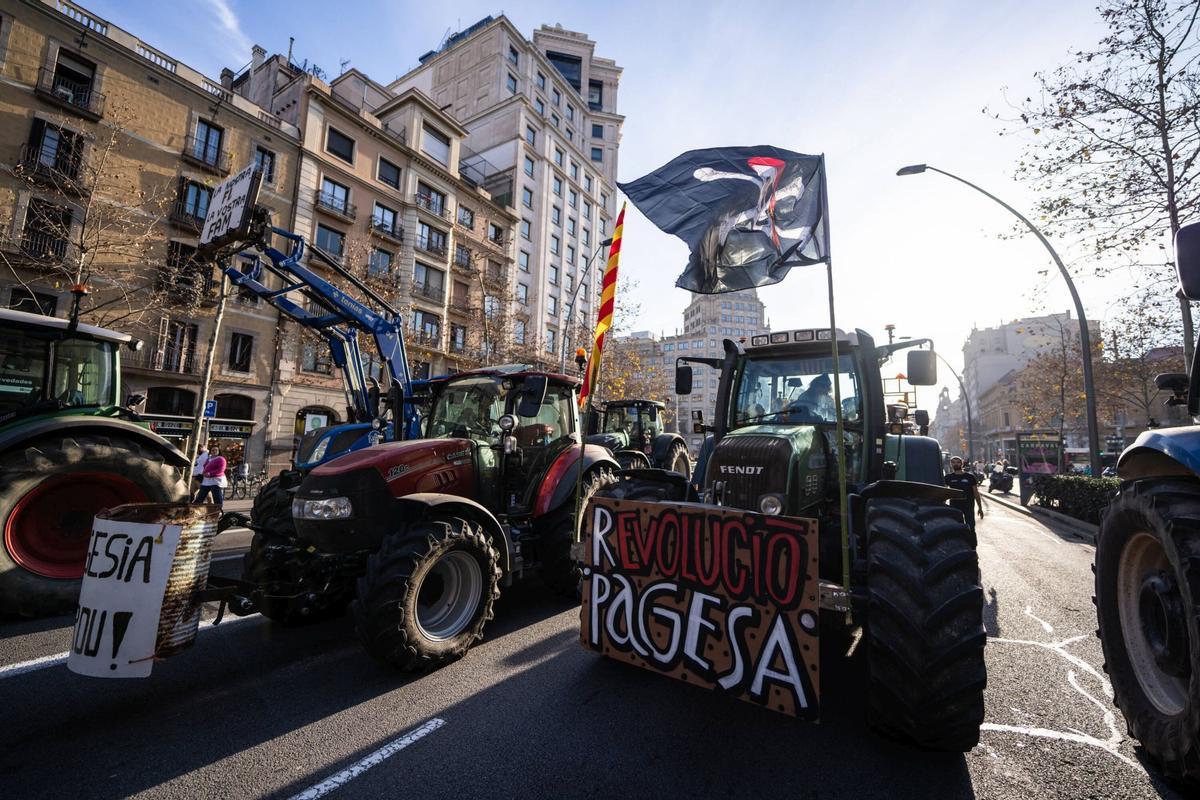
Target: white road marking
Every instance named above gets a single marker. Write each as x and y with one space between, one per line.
1046 626
335 782
34 664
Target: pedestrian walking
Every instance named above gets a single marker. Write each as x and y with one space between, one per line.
198 468
213 483
968 485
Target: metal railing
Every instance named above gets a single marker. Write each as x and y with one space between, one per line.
184 360
185 216
205 155
392 231
54 165
427 338
331 202
431 244
429 291
462 257
43 246
70 93
434 205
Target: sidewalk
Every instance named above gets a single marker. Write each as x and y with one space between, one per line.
1085 529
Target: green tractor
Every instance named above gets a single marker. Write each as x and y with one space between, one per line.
633 431
68 448
904 567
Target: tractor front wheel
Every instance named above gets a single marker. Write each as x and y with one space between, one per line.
1147 587
272 509
427 594
50 491
924 629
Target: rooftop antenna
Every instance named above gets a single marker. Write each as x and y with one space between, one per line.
291 41
345 62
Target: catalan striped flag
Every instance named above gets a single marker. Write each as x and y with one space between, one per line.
608 302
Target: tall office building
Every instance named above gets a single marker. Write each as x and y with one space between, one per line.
543 129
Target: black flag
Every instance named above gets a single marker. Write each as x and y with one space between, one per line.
749 214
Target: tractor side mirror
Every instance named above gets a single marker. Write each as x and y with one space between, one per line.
921 417
395 401
373 399
1187 260
683 379
532 396
922 368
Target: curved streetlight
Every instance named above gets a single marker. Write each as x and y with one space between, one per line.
570 309
1085 340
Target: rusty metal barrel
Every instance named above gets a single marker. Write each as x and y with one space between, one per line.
145 564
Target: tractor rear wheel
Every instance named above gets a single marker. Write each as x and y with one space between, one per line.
625 487
1147 586
559 571
678 460
427 593
924 628
50 490
272 509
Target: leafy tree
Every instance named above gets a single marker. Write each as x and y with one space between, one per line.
1140 342
1115 137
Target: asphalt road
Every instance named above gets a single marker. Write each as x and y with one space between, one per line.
254 710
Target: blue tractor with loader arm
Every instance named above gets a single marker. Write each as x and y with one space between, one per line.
1147 570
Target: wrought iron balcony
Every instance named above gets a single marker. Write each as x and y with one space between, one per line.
205 156
45 247
59 168
181 360
75 96
432 244
432 204
186 216
391 231
429 291
332 204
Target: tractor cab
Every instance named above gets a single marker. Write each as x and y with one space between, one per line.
634 423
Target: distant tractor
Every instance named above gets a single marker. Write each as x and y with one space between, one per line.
1148 570
905 565
68 448
633 430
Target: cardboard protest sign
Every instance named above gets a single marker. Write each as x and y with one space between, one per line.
717 597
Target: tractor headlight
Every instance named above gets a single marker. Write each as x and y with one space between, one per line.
770 504
319 451
325 508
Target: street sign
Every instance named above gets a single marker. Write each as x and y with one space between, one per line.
229 211
210 409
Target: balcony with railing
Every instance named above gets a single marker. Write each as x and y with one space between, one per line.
71 95
462 258
426 338
335 205
434 292
433 204
60 169
432 244
206 156
181 360
42 247
388 230
187 216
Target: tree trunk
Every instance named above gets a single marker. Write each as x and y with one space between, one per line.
199 434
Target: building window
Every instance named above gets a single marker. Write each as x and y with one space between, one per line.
572 198
527 197
522 293
603 200
571 226
330 241
555 96
553 273
570 135
530 135
431 199
597 154
554 244
586 237
384 219
550 340
169 401
519 331
427 325
466 217
523 261
539 105
194 201
570 254
428 281
458 338
558 157
264 162
335 196
72 82
435 144
526 228
597 131
529 166
495 233
431 239
570 67
462 255
241 346
557 185
587 210
554 120
570 112
556 215
595 95
389 173
512 83
380 263
512 55
552 306
587 183
541 81
315 358
22 299
340 145
47 227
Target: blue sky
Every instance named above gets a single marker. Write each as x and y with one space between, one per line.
873 85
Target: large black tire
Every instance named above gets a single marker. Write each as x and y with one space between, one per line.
627 487
1147 591
272 509
559 571
924 628
409 579
678 460
39 473
293 592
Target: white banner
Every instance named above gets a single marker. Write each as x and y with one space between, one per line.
125 578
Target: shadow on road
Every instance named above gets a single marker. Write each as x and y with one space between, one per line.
991 613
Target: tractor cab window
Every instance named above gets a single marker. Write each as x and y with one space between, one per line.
469 408
552 422
618 419
83 374
39 368
795 390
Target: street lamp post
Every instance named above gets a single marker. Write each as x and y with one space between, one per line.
1085 340
570 309
967 402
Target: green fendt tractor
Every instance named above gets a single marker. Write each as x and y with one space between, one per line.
68 448
905 566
